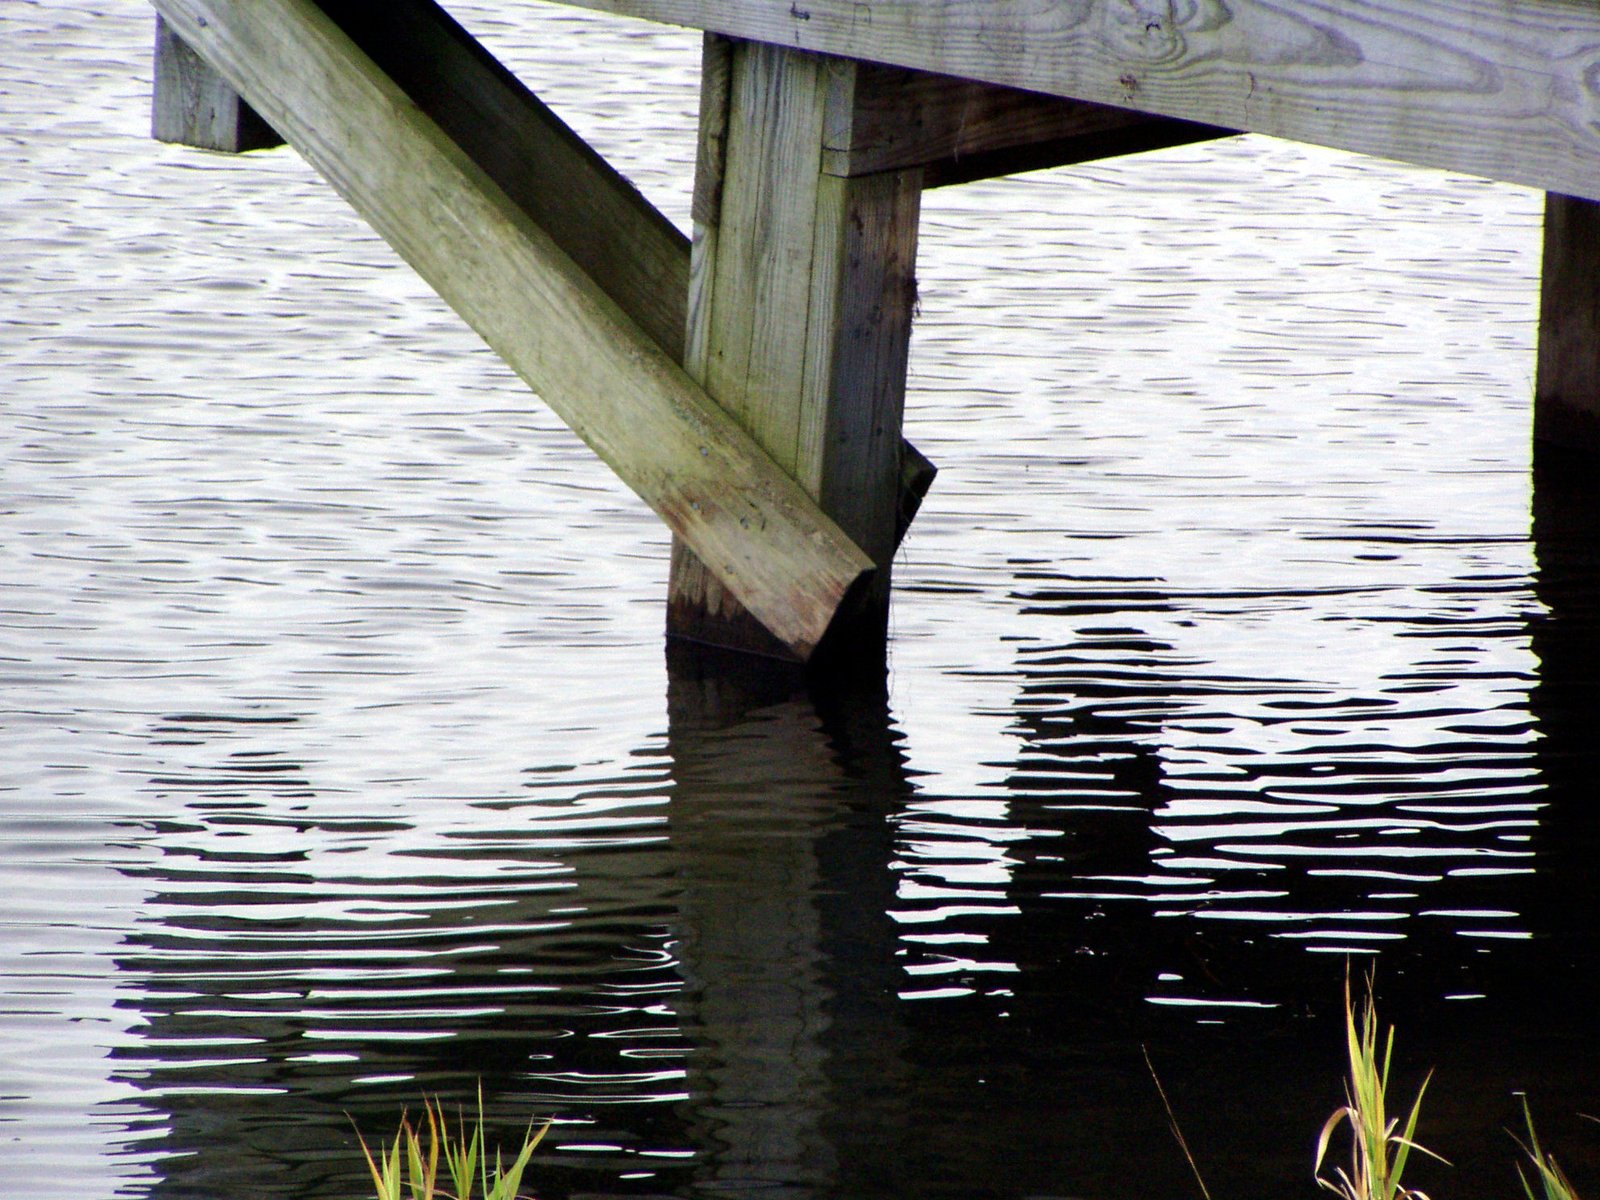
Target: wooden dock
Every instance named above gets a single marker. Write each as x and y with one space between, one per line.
749 385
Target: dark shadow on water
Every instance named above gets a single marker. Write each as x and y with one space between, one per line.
734 991
1490 923
1563 993
780 821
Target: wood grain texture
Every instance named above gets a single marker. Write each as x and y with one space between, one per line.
802 313
597 217
1566 407
716 68
1508 89
761 284
764 537
958 130
863 280
191 105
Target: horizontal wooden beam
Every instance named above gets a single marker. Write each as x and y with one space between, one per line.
752 525
959 130
1503 89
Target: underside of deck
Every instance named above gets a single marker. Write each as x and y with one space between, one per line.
1506 90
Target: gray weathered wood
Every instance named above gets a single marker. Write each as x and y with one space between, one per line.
803 295
716 67
1508 89
192 105
917 474
597 217
959 130
744 516
1566 408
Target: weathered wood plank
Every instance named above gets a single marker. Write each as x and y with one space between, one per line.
716 83
805 290
762 281
958 130
1505 90
192 105
751 128
597 217
1566 406
863 278
620 391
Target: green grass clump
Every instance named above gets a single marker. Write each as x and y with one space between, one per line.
409 1166
1553 1183
1379 1144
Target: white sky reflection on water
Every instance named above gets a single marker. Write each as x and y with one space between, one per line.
1216 610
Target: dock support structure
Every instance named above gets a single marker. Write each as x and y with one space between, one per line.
749 390
1566 409
436 197
802 286
192 105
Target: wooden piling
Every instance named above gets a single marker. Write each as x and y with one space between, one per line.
802 283
1566 407
192 105
802 291
761 534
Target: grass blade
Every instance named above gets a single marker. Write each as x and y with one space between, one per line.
508 1182
1380 1148
1172 1120
1553 1182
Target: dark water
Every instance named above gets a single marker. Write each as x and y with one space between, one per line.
340 761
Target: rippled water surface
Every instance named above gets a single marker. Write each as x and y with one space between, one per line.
340 761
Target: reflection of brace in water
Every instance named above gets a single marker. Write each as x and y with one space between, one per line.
1093 775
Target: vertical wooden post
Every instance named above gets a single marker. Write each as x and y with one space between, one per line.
194 106
1566 408
802 285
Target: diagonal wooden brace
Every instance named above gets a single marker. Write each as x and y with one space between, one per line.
755 528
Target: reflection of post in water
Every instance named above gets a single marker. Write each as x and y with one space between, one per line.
1566 709
1566 641
779 820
